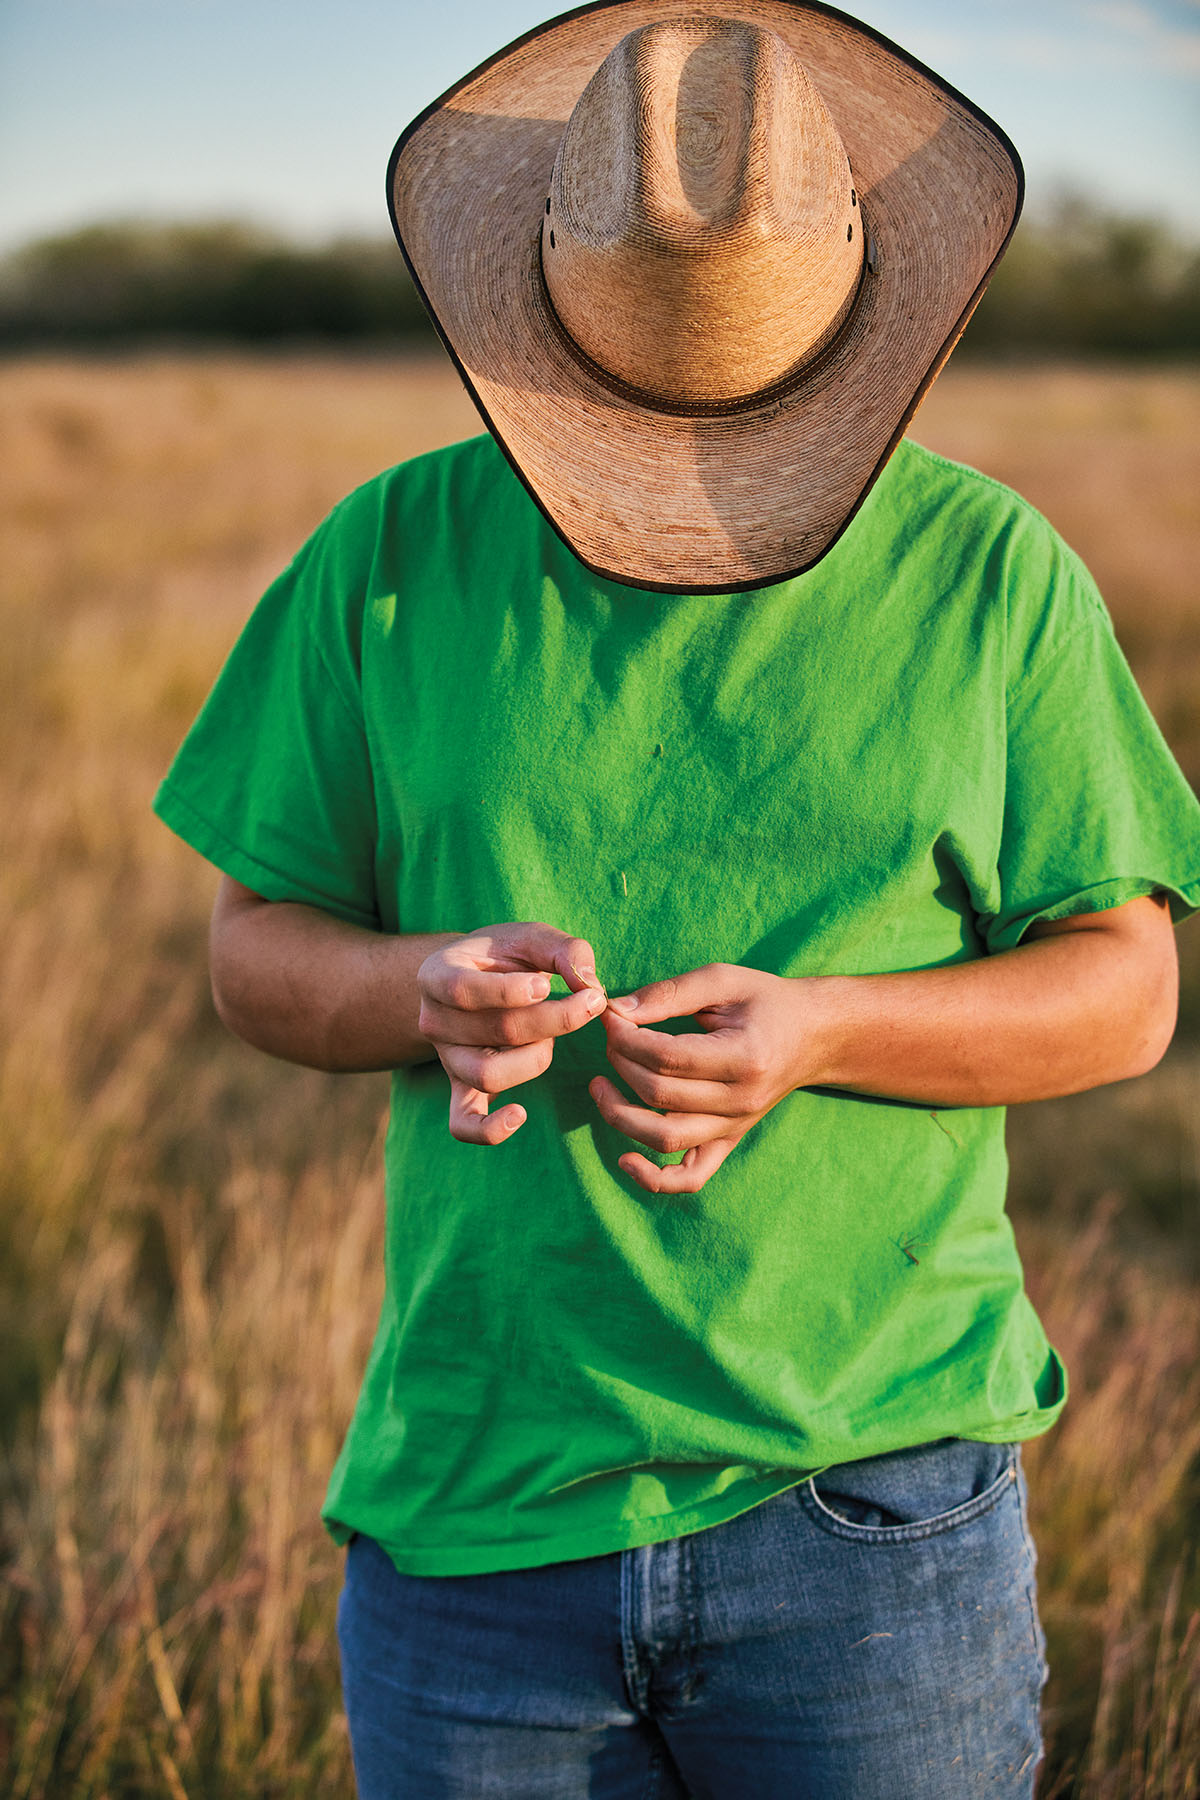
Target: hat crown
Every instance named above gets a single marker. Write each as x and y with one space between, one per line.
703 239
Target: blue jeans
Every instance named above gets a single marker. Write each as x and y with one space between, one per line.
871 1634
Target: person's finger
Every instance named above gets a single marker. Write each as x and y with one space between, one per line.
575 961
670 1093
667 1133
463 985
544 947
535 947
494 1071
506 1028
681 996
686 1177
719 1055
470 1121
505 966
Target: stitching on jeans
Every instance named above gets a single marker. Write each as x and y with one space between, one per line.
691 1638
634 1684
966 1514
1035 1630
654 1774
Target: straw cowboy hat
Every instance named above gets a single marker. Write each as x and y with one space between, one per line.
697 265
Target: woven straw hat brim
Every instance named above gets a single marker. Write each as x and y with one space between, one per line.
701 504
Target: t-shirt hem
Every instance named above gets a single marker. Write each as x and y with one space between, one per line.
632 1534
573 1546
179 814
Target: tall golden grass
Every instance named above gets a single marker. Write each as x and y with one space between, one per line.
190 1233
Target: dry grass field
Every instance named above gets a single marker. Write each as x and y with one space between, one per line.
190 1233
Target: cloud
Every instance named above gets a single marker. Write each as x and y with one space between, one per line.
1123 15
1104 35
1135 33
1062 37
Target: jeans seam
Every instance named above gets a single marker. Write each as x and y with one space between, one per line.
1035 1629
691 1603
883 1535
654 1774
635 1683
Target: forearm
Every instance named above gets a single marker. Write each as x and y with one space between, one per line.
1054 1016
302 985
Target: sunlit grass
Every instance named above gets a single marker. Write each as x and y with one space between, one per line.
190 1233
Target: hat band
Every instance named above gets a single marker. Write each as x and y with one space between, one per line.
706 409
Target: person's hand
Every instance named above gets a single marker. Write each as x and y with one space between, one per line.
702 1093
485 1010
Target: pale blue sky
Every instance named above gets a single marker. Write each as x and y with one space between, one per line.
284 111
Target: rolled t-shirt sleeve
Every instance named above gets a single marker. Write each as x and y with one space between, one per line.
273 783
1097 811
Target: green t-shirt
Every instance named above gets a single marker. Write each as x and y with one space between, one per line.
437 719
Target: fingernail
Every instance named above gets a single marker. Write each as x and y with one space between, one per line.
513 1118
539 987
628 1003
596 1000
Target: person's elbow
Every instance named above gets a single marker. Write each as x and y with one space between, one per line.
1132 972
1153 982
1158 1010
254 978
232 957
231 997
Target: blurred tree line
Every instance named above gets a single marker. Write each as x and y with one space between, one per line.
1079 280
221 282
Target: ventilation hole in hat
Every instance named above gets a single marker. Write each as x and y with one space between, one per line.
849 234
853 200
552 240
547 207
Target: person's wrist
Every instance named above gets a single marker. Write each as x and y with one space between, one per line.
825 1029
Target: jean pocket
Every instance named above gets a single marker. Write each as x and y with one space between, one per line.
911 1494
